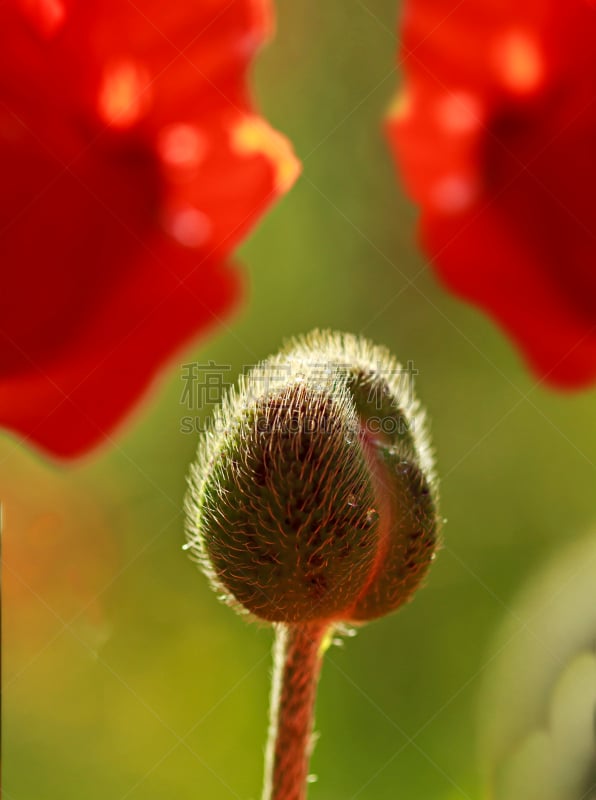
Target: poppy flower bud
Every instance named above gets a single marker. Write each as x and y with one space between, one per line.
313 498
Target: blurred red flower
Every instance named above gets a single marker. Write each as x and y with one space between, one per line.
132 163
494 133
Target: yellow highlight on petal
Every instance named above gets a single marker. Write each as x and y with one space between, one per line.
123 96
519 61
401 106
253 136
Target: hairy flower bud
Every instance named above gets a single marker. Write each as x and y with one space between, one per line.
313 497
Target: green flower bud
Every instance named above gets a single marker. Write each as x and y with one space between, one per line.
313 497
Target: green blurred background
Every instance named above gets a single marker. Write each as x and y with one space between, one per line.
124 677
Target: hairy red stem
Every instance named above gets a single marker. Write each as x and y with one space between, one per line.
297 665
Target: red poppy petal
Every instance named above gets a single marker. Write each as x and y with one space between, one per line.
493 134
133 164
73 401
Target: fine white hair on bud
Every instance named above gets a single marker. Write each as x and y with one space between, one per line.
313 495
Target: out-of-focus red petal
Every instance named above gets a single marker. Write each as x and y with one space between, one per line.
73 400
493 133
133 163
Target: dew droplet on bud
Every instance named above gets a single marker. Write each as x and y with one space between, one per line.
372 516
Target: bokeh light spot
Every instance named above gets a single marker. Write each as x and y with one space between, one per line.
453 194
123 96
181 146
519 61
459 112
189 226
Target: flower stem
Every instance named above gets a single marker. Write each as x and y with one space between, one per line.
297 664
